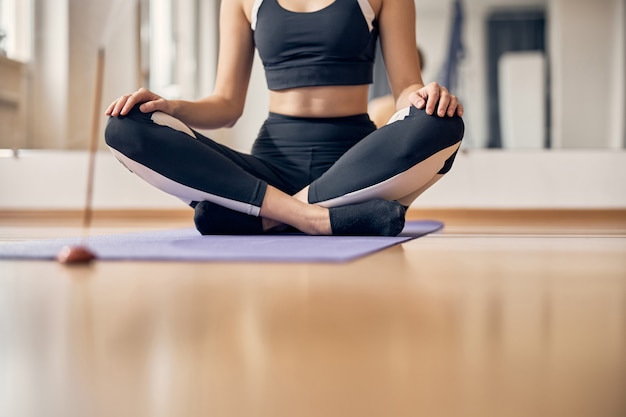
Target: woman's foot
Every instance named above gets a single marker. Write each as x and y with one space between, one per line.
372 218
376 217
213 219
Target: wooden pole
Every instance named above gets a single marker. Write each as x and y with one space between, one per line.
95 133
81 254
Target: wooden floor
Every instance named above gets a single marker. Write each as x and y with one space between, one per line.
503 314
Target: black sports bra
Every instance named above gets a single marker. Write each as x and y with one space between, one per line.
332 46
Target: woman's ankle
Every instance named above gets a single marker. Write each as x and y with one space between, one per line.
270 225
320 220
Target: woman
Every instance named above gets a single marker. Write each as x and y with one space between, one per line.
318 165
382 108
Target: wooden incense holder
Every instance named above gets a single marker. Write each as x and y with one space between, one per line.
81 254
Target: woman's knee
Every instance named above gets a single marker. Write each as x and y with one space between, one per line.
433 136
457 128
448 137
419 135
125 133
120 133
446 131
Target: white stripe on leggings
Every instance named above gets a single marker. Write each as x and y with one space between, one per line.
399 186
164 119
185 193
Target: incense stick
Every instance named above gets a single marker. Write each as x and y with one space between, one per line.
81 254
95 130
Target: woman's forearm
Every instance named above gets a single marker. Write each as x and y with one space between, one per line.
211 112
403 99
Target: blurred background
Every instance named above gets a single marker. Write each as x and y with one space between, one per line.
546 74
543 83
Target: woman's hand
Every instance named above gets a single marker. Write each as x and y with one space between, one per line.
148 101
436 97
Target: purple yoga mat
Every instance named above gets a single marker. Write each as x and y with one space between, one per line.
189 245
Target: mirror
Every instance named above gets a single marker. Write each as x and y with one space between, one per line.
534 74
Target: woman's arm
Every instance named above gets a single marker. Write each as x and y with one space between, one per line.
225 105
399 48
236 54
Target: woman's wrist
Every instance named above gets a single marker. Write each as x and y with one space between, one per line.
403 99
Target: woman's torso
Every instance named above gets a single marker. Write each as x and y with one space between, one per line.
316 101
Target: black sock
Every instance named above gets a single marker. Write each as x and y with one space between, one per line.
372 218
213 219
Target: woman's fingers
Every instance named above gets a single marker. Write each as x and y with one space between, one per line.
117 108
435 98
125 103
444 101
159 104
417 100
455 107
433 95
109 109
450 106
460 110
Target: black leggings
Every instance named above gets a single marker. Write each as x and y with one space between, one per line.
345 160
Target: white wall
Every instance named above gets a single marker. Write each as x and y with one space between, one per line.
587 57
87 21
589 61
490 179
586 46
13 91
68 35
50 74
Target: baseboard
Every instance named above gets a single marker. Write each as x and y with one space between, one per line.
541 216
70 217
609 220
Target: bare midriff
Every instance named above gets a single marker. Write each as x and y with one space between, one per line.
323 101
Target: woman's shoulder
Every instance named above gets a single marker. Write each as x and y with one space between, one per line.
239 7
378 5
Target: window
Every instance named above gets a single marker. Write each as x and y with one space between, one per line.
511 31
169 38
163 52
16 29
